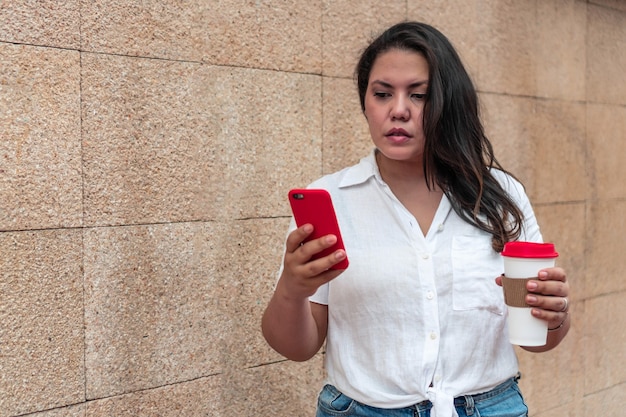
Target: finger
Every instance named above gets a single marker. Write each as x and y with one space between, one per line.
295 238
553 318
323 264
550 303
552 274
550 288
306 251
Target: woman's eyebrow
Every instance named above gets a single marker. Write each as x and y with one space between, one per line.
412 85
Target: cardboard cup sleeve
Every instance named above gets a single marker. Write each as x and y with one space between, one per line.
515 291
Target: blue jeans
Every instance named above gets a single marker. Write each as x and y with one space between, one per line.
505 400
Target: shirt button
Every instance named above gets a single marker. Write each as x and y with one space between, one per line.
430 295
425 256
440 227
433 335
437 378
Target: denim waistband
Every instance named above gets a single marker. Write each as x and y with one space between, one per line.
465 400
462 401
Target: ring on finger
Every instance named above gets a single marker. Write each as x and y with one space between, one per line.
565 305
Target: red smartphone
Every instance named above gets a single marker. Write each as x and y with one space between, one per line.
316 207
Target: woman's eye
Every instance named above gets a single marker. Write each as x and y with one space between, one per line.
418 96
381 94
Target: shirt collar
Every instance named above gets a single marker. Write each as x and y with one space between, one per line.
361 172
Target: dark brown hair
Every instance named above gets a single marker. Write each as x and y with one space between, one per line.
458 157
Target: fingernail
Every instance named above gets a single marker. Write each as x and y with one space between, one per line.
531 285
543 274
531 299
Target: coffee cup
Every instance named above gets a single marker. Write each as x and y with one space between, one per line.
522 262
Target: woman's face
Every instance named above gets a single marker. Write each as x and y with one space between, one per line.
394 104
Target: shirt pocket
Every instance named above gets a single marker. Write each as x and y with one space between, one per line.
475 265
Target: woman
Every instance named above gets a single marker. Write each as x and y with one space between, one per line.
416 326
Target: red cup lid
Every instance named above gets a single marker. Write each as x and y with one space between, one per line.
529 250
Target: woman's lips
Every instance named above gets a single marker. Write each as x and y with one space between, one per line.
397 135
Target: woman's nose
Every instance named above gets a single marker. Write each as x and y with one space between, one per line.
400 109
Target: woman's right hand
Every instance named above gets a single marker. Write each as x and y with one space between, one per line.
302 275
292 325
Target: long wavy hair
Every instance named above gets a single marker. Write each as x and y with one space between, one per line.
458 157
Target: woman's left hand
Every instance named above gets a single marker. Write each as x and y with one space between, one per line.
548 295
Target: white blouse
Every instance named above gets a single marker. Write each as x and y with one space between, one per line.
414 317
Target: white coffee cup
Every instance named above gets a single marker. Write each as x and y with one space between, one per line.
524 260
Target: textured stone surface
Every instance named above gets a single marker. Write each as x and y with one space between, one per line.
609 401
261 34
606 55
346 135
283 389
70 411
40 184
171 303
507 60
604 321
606 140
538 140
42 22
605 248
559 50
456 20
348 30
171 141
41 316
506 124
613 4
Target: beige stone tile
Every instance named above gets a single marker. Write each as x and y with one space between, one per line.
604 323
565 225
606 263
41 311
560 49
507 59
613 4
346 135
251 251
77 410
606 134
538 141
573 409
171 303
269 34
555 379
608 403
606 55
506 125
348 27
457 20
532 48
284 388
43 22
165 141
40 128
156 307
199 397
559 161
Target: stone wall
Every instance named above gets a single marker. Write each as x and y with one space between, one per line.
146 149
